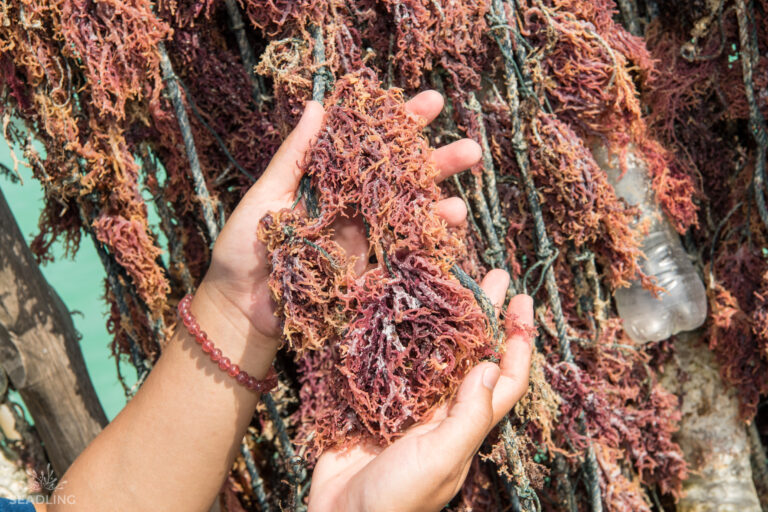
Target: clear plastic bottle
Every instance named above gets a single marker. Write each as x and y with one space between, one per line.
682 306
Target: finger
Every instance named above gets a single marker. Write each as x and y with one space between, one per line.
453 210
456 157
332 471
426 106
415 473
516 361
284 172
495 284
469 418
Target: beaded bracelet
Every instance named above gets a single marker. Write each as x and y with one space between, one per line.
241 376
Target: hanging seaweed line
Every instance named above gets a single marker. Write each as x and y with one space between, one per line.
139 360
215 135
485 185
198 180
298 473
494 228
172 83
749 58
489 173
114 271
522 488
544 249
246 52
166 223
478 209
257 483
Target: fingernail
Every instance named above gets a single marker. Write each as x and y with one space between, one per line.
491 376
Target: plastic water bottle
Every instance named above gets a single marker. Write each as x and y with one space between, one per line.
682 306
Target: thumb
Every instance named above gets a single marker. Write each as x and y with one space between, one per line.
470 418
284 171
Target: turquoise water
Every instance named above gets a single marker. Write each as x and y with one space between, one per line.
80 283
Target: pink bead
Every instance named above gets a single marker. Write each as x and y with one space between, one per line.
223 362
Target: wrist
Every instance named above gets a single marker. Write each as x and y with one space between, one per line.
232 331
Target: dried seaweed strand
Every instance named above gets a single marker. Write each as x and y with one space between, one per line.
477 207
138 358
174 244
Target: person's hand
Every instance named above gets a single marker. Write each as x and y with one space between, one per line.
423 470
236 284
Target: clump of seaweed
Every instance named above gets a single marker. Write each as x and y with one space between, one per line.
398 338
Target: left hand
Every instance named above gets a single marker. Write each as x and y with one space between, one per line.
423 470
236 285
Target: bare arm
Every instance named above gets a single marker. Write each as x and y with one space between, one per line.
174 443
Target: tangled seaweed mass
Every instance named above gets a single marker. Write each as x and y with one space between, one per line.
397 339
131 110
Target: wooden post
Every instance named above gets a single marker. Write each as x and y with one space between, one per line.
40 352
712 436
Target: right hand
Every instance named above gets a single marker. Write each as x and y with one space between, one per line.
423 470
